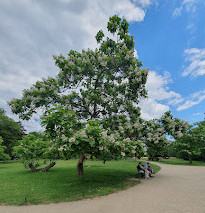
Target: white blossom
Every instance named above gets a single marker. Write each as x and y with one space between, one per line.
99 58
139 79
179 134
111 138
101 148
63 137
136 124
133 151
123 154
117 143
127 139
83 134
61 60
121 128
72 140
71 63
60 148
124 46
146 71
104 135
128 125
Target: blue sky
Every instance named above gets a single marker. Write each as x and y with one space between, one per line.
169 36
161 42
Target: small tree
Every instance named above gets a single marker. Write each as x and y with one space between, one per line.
34 151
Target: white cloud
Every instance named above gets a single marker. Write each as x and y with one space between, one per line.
197 114
196 58
32 31
151 109
194 99
158 92
135 54
187 5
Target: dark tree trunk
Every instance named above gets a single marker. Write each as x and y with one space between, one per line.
80 171
45 169
33 169
190 159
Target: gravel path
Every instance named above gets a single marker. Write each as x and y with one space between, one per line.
175 189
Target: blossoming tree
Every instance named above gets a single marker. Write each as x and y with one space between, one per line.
101 87
157 130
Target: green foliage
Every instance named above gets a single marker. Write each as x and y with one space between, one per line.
10 131
192 143
3 156
63 127
32 150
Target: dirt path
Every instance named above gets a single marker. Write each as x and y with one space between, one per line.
175 189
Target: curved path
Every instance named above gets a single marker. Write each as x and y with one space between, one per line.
175 189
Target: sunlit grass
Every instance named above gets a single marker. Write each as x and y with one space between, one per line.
18 185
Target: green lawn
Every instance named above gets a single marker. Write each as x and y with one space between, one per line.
181 162
61 182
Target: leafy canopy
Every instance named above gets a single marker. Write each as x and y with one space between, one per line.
99 84
10 131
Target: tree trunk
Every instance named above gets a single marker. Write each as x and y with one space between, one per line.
33 169
190 159
45 169
80 171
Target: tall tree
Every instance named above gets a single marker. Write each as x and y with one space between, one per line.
103 85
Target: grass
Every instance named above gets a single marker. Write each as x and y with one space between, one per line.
181 162
61 182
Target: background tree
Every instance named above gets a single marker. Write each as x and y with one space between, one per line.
192 143
10 131
3 155
155 133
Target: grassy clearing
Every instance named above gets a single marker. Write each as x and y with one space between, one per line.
61 182
181 162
